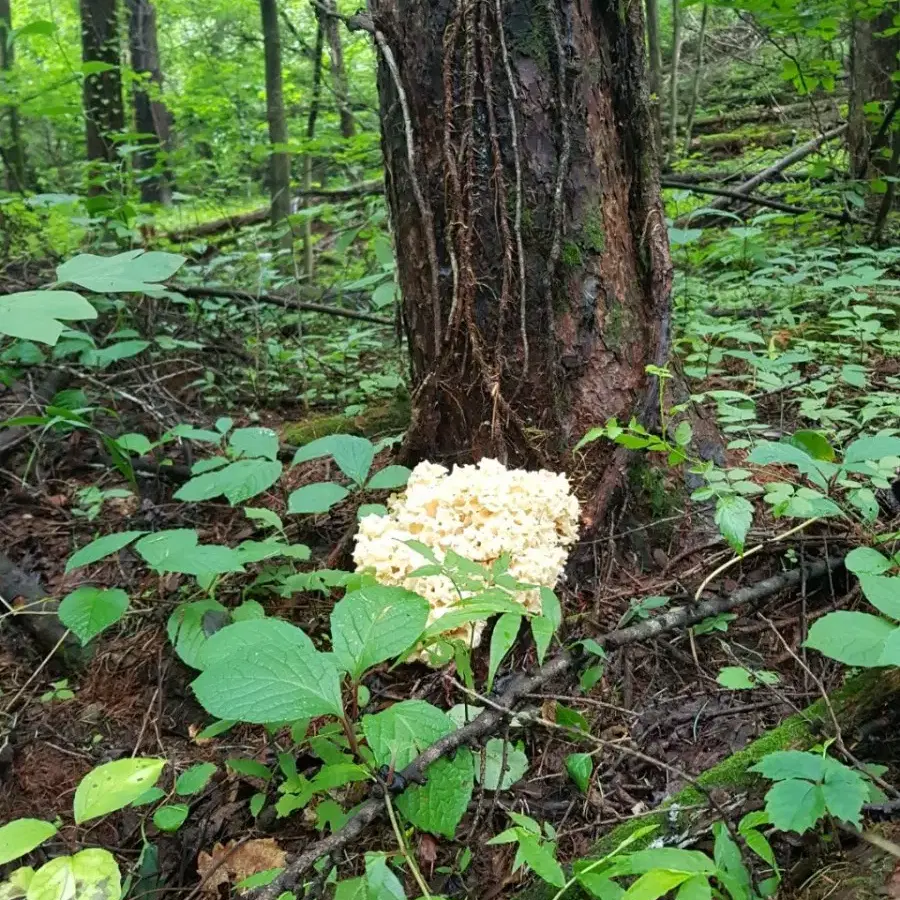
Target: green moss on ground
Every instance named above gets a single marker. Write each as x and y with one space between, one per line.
378 419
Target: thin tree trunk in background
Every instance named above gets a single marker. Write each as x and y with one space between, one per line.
279 160
673 77
13 151
654 50
873 60
338 72
308 259
151 117
102 94
695 83
531 244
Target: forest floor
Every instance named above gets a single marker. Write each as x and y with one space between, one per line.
744 319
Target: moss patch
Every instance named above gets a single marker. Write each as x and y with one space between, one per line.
571 255
378 419
593 235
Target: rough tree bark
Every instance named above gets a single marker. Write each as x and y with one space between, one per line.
151 117
280 161
873 60
104 113
13 151
531 244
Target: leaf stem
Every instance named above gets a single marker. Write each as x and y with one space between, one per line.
404 849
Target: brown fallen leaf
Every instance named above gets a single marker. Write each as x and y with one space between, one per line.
231 863
427 852
892 886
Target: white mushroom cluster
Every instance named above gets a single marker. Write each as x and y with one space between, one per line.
480 512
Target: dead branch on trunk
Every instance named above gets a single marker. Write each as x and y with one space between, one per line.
191 290
487 722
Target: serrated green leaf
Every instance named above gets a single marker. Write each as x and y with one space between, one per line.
734 516
254 443
375 623
845 791
768 453
101 548
872 449
114 785
185 628
316 498
438 805
352 454
853 638
266 670
783 764
21 836
238 481
399 733
795 805
89 610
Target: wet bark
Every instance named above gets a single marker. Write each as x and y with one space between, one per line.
13 150
531 244
873 60
102 93
280 161
151 117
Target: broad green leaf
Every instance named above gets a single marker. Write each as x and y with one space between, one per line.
516 765
734 516
883 593
178 550
655 884
16 885
795 805
114 785
89 610
21 836
92 874
36 315
695 888
375 623
194 779
737 678
540 859
316 498
171 817
853 638
767 453
351 889
101 548
580 766
813 444
238 481
132 271
438 805
600 887
542 632
389 477
845 791
867 561
399 733
149 797
105 356
506 629
259 879
254 442
276 676
381 882
266 516
352 454
252 768
673 859
186 630
783 764
872 449
137 444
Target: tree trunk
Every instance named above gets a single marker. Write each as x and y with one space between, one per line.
873 59
13 151
695 82
313 115
102 95
338 72
654 50
673 76
531 244
280 160
151 117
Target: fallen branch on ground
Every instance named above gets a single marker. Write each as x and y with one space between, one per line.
487 722
756 200
191 290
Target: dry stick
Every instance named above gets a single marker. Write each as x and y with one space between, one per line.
487 722
756 200
191 290
785 162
